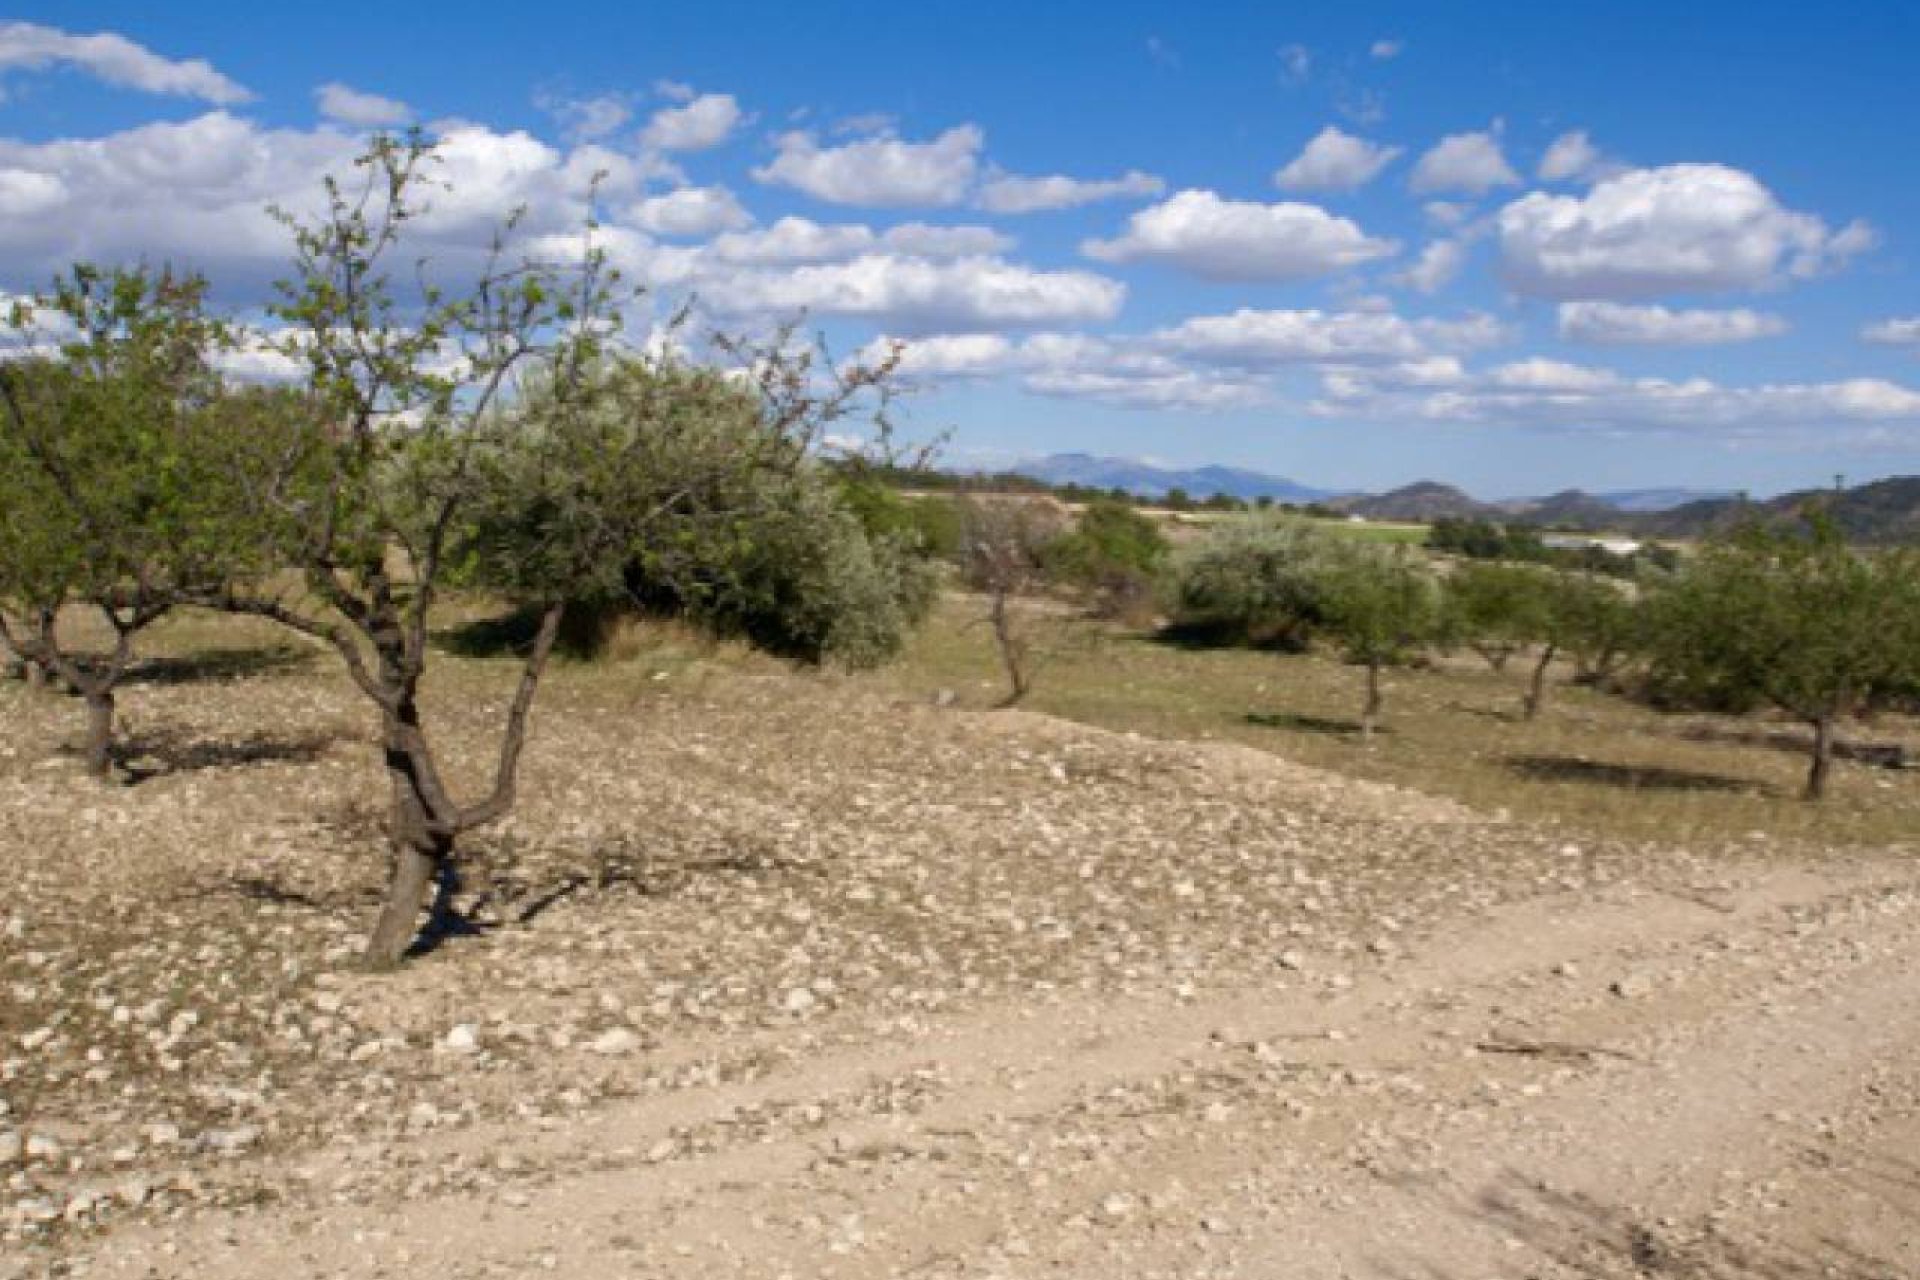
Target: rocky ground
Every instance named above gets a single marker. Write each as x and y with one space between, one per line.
772 976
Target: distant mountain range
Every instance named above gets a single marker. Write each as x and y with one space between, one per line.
1883 511
1426 500
1145 480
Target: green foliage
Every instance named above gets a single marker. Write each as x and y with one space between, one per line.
931 523
1256 579
1499 609
1380 604
1479 539
1795 619
652 485
1115 553
1596 622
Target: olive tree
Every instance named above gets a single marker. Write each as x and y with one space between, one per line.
1382 607
114 462
1497 610
1793 618
1255 579
425 402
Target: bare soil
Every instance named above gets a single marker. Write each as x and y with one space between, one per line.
784 976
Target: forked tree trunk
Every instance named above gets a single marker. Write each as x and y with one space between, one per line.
1370 713
1537 687
419 852
1822 763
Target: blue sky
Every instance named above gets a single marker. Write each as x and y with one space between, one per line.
1537 246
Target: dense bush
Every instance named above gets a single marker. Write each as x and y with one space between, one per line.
1116 554
749 537
1253 580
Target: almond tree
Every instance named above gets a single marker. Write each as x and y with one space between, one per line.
1382 607
430 407
1795 619
111 498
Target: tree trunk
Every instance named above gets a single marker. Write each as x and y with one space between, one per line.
1370 714
99 744
1537 687
419 851
1010 654
1822 763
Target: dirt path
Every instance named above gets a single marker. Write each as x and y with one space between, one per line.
1618 1082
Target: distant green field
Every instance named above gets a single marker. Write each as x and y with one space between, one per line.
1377 531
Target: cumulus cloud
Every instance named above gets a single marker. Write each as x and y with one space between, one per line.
1011 193
1683 228
584 119
1235 240
1572 157
1899 331
1468 163
1619 324
921 294
702 122
1335 161
1120 372
1251 337
690 211
793 241
1553 394
1436 267
365 110
29 46
197 190
882 172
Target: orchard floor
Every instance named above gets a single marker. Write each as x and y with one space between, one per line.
777 975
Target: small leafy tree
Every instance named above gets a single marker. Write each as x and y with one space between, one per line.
1115 553
1003 546
1597 623
1794 618
1498 610
427 404
1382 606
114 469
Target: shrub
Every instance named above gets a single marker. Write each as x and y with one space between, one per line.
1253 580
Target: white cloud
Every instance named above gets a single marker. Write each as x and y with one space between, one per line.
690 211
921 294
1901 331
365 110
115 59
1076 366
1680 229
1010 193
1234 240
1551 394
793 241
196 191
1619 324
1385 49
1253 338
1572 157
702 123
1436 267
884 172
1335 161
1470 163
583 119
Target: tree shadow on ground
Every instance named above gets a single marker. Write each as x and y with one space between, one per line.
503 635
163 753
502 890
1630 777
1306 724
218 666
1581 1236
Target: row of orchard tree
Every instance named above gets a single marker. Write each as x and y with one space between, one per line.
493 430
1786 617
